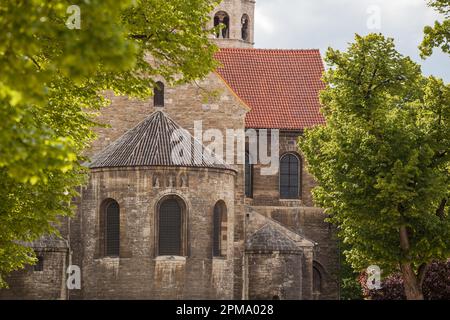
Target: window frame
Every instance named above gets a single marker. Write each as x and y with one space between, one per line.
318 269
299 178
245 16
248 165
159 94
225 32
220 217
107 205
317 279
39 266
183 225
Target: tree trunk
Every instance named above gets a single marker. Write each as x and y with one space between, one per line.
413 289
412 283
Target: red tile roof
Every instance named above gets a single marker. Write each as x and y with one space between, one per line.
280 86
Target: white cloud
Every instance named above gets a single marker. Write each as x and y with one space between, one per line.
263 23
324 23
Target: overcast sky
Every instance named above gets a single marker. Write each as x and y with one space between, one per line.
304 24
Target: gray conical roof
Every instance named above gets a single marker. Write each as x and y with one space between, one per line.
269 239
157 141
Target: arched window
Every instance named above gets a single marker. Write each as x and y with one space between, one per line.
289 176
39 266
248 176
112 228
170 230
220 230
158 94
317 282
245 21
222 17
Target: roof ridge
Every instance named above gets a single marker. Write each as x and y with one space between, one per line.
272 50
268 233
281 225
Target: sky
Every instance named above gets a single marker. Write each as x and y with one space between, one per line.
319 24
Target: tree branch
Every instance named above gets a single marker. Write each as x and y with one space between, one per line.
423 268
369 88
440 211
36 63
404 239
141 36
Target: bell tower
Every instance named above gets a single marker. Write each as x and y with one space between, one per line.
238 18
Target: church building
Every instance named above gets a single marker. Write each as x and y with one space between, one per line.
148 226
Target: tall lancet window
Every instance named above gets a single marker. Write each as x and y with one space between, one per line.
158 94
220 230
289 176
245 21
248 176
223 18
171 227
112 228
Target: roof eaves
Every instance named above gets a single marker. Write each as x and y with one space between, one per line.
232 91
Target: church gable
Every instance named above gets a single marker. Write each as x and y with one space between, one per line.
280 86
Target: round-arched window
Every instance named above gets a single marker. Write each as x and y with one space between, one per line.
289 176
222 18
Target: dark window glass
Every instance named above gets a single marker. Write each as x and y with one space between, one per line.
39 266
217 230
112 229
158 94
220 229
317 281
248 177
289 177
170 228
245 22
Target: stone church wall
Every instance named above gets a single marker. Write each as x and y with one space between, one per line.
209 100
138 273
299 215
274 276
46 284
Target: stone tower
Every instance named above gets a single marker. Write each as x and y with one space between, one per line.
238 16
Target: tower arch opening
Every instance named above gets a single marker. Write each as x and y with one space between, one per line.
222 18
245 27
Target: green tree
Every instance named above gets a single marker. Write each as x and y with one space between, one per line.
55 62
350 286
439 34
383 159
